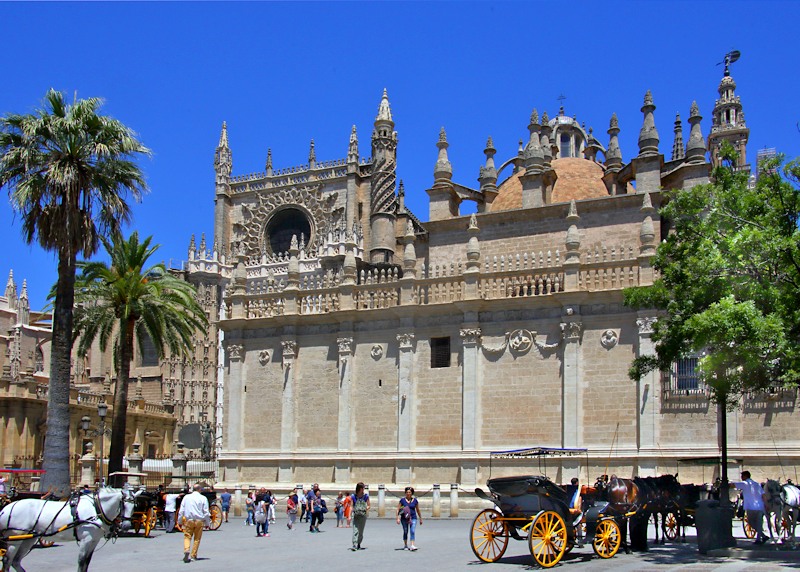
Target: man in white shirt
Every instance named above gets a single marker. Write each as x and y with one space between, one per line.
170 502
754 499
193 516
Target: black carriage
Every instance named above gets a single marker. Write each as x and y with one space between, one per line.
145 510
535 509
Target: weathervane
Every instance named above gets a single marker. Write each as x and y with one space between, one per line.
730 57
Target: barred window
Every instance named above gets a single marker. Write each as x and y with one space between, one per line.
149 355
682 379
440 352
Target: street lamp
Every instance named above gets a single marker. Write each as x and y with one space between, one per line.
102 411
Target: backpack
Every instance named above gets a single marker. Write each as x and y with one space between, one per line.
405 513
359 506
261 513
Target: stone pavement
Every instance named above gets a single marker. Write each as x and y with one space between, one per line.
443 546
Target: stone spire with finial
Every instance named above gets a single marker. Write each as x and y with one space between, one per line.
383 198
223 159
269 162
696 147
11 291
677 144
488 173
312 156
443 171
547 151
534 157
352 148
648 135
614 153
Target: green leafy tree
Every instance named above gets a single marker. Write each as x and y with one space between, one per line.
126 301
69 171
729 283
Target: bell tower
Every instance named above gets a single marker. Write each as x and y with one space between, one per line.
383 199
728 119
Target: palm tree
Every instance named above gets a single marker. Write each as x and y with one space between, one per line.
68 171
124 301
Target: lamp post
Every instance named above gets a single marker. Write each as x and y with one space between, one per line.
102 411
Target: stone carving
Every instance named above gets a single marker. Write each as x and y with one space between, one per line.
318 205
289 352
235 351
571 330
521 341
263 357
345 345
470 336
376 352
406 340
646 324
608 339
495 349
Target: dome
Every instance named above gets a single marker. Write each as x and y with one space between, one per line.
577 179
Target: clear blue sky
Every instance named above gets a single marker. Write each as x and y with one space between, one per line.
283 73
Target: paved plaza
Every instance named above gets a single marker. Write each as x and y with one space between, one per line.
443 546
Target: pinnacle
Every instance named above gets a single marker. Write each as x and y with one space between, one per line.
223 137
384 111
442 136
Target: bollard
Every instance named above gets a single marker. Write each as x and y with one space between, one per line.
87 467
135 463
237 500
436 510
453 500
179 467
381 501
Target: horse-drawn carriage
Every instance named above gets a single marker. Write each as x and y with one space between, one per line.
534 509
18 487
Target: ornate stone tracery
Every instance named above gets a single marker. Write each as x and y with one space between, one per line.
470 336
406 340
318 207
646 324
235 351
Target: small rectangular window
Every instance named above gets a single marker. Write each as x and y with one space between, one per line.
686 374
440 352
566 146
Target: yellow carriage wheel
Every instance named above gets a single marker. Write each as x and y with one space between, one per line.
216 517
489 535
749 531
607 538
547 538
671 526
149 520
136 521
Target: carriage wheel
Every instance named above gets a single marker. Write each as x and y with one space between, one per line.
489 535
547 539
137 520
149 520
607 538
216 517
749 531
671 526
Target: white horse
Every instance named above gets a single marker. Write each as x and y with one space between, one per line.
783 505
87 519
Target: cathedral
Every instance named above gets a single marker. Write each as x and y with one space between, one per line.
360 341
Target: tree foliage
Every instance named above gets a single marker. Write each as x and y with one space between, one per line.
729 281
69 172
124 302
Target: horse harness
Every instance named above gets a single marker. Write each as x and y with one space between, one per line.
74 500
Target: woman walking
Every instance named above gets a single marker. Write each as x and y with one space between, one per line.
360 510
291 510
249 502
318 510
262 523
408 515
340 510
348 510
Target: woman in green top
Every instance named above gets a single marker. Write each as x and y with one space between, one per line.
360 510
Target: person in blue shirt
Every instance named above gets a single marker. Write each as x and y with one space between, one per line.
408 515
225 497
754 502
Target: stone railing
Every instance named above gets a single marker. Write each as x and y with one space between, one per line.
262 306
376 296
515 285
441 290
319 302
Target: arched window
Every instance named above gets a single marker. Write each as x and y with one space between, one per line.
39 360
148 353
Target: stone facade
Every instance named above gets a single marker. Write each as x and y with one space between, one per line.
360 343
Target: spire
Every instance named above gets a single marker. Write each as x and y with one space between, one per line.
696 147
384 111
269 162
488 173
192 248
443 169
312 157
727 121
352 149
677 144
223 159
614 154
648 135
24 314
547 152
11 290
534 157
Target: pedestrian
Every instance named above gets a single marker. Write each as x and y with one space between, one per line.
339 507
291 510
318 510
271 508
408 515
754 502
249 503
170 505
302 498
310 498
348 510
225 497
261 511
193 516
576 508
360 511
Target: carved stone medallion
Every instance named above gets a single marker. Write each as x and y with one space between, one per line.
520 341
609 339
376 352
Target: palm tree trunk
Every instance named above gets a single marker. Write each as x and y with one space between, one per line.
56 446
117 452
